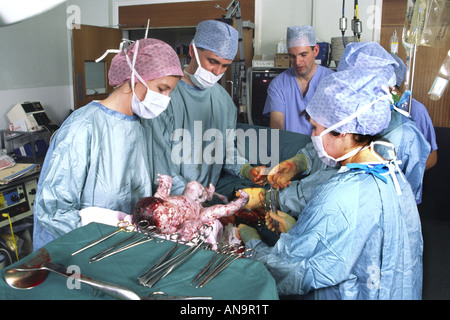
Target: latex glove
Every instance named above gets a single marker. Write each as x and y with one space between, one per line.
246 233
255 197
280 176
104 216
257 175
285 221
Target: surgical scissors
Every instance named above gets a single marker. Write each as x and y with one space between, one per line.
122 225
142 226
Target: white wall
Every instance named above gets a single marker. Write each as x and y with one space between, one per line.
36 57
33 62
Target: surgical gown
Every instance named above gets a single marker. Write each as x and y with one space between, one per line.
284 95
98 158
412 150
356 239
194 139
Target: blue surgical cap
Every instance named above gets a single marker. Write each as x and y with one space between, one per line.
370 56
400 71
302 36
218 37
343 93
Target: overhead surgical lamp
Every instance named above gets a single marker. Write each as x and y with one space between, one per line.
12 12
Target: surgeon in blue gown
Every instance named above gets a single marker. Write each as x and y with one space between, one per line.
194 138
99 156
360 236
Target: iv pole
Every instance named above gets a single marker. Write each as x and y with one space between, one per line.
234 9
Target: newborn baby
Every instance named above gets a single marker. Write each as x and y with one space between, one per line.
184 213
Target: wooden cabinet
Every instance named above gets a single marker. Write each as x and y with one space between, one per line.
179 14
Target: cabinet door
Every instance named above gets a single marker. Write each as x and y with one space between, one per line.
91 79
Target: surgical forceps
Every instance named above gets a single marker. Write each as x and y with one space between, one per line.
124 226
142 226
223 264
167 267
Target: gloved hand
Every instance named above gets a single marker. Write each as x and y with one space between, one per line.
246 233
255 197
280 176
257 175
285 221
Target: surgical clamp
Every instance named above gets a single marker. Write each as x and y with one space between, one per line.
218 255
146 276
142 225
221 266
273 208
121 225
164 269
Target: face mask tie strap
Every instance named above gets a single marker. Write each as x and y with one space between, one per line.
196 54
134 73
114 50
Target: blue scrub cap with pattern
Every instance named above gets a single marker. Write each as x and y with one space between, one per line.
218 37
341 94
301 36
370 56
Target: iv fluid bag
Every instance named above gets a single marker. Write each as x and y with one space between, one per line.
442 79
427 23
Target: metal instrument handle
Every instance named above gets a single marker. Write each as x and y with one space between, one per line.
110 289
121 225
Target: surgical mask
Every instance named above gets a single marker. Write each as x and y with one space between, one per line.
152 106
154 103
318 141
203 78
325 157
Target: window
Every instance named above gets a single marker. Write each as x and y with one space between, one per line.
95 74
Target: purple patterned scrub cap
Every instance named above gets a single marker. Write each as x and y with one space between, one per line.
155 59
